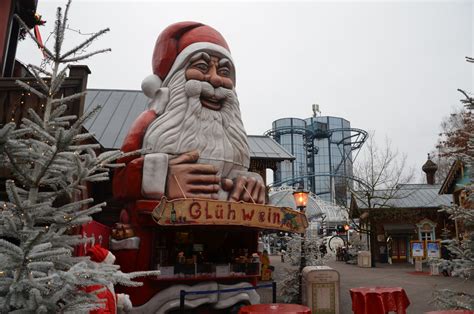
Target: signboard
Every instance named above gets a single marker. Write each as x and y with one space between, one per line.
417 248
193 211
433 249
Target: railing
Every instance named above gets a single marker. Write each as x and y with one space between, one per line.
15 101
183 293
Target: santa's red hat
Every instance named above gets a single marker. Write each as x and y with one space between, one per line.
100 255
175 45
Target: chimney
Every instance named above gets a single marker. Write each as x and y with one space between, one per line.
430 169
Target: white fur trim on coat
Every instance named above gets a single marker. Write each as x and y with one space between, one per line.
132 243
155 170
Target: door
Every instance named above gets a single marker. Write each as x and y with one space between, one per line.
399 250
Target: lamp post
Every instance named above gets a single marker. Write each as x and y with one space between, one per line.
346 228
301 200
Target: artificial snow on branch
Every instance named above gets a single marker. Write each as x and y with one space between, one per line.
51 162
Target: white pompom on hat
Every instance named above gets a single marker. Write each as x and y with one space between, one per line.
151 84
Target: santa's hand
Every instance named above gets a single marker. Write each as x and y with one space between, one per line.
248 189
186 178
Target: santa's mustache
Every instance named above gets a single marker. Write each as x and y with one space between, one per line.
194 88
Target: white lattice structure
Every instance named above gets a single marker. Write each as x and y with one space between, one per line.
316 208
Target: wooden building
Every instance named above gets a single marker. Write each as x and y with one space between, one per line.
455 185
411 213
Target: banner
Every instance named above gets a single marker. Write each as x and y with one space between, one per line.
417 248
210 212
433 249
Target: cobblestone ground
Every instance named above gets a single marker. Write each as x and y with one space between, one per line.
419 287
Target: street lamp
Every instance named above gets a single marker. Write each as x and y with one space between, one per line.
346 228
301 200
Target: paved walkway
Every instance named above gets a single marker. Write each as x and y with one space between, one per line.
419 287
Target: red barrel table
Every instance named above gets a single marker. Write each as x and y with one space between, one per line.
451 312
280 308
378 300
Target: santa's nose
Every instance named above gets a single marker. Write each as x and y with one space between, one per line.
214 78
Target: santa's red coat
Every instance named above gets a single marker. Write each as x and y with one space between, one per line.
127 181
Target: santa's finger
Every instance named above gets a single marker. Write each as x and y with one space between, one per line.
238 189
256 191
207 188
261 195
189 157
250 186
202 179
227 184
202 169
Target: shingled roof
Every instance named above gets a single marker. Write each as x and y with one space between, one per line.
119 108
408 196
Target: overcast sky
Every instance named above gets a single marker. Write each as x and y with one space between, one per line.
392 67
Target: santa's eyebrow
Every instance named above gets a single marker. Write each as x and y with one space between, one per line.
200 55
225 62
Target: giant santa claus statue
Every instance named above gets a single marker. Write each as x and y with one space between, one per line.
193 140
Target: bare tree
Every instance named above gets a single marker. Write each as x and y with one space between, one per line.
382 171
453 139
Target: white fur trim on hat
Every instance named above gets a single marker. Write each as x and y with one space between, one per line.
109 259
150 85
189 51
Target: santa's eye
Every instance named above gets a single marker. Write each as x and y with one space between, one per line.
201 66
224 72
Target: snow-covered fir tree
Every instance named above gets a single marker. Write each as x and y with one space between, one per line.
462 262
290 274
50 164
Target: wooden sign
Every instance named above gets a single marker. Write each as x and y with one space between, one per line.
211 212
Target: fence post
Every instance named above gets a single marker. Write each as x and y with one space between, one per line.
274 292
182 294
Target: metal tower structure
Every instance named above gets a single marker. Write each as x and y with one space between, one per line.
301 138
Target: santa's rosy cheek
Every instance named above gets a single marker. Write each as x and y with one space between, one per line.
227 83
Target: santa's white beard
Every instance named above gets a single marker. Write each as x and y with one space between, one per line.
186 125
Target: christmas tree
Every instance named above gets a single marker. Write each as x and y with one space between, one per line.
462 262
313 255
51 161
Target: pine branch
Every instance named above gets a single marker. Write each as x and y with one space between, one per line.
58 34
40 80
58 81
67 99
31 89
46 51
40 70
86 56
84 44
22 175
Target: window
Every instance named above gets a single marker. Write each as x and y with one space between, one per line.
426 236
426 230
